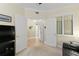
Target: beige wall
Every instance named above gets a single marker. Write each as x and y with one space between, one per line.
11 10
70 10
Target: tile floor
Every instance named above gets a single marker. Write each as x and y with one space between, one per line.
42 50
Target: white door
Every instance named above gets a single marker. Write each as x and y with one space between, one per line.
21 33
40 31
50 32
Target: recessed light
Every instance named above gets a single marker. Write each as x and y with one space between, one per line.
39 3
37 12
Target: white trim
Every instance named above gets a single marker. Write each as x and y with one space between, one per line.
51 45
16 53
66 35
59 46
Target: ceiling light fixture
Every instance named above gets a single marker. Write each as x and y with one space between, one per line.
37 12
38 5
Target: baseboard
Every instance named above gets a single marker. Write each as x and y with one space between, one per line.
20 51
59 46
50 45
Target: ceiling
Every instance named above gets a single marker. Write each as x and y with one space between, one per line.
45 6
